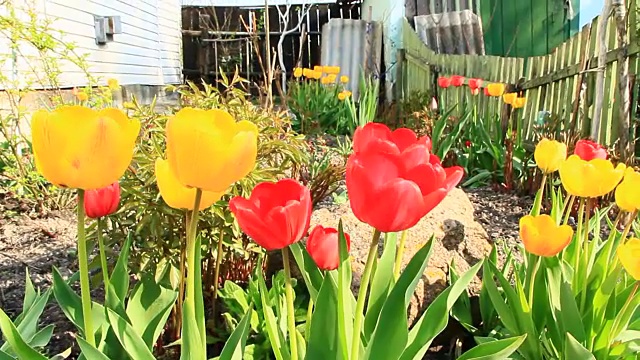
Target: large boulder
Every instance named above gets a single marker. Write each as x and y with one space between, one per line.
458 238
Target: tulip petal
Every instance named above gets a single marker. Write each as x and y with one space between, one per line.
255 226
403 138
629 255
177 195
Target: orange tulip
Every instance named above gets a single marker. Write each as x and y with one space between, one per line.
542 236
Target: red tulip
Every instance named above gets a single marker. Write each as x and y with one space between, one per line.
475 84
589 150
486 92
457 80
102 202
444 82
467 143
378 136
276 215
392 185
324 247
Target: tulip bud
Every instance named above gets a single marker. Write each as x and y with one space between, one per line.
102 202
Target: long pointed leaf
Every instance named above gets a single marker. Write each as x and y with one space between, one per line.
325 344
382 280
310 273
89 351
18 345
234 347
131 342
494 350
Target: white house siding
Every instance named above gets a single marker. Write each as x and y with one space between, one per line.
147 52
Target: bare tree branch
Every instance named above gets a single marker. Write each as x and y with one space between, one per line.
284 19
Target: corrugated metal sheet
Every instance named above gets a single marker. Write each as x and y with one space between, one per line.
355 46
428 7
457 32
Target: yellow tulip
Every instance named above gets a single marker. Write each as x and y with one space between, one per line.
519 102
316 75
82 96
549 155
628 192
308 73
333 70
343 95
629 255
177 195
81 148
329 79
542 236
208 149
495 89
318 68
297 72
593 178
113 84
509 98
344 79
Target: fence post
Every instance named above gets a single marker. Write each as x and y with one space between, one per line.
400 84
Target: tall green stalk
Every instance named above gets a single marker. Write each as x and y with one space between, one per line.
291 316
362 294
83 264
103 257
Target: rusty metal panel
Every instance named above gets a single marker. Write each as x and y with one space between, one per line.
355 46
456 32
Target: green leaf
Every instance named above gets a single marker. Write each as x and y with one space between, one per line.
42 337
574 350
234 347
29 324
382 281
563 304
30 294
435 318
89 351
312 276
120 275
345 310
199 305
5 356
149 307
391 333
130 340
325 344
494 350
17 343
273 331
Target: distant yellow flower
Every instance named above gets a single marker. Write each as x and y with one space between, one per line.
208 149
519 102
316 75
343 95
628 192
629 255
542 236
177 195
319 68
329 79
344 79
334 70
113 84
509 98
82 96
549 155
495 89
297 72
308 73
593 178
81 148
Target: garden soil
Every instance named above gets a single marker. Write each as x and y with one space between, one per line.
40 242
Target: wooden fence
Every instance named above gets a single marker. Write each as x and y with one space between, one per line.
561 83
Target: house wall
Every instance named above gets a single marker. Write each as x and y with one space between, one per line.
147 52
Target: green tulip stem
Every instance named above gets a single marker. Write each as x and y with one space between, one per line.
538 204
291 316
398 264
216 273
578 245
362 294
307 332
191 265
532 282
103 257
566 210
83 264
586 253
